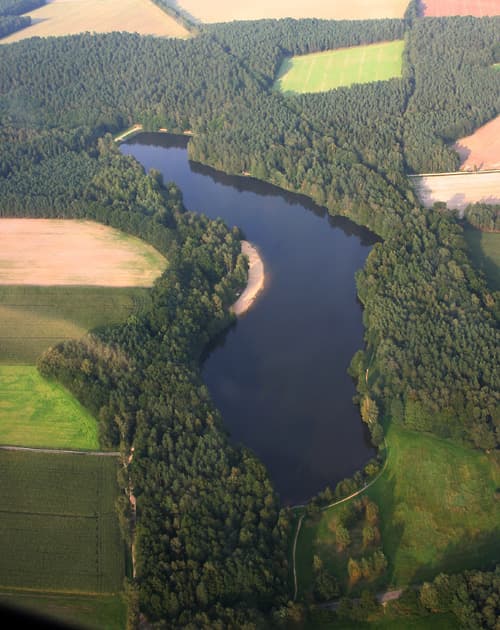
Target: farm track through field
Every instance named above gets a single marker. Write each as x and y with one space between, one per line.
55 451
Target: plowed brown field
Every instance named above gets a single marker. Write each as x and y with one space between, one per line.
481 150
477 8
228 10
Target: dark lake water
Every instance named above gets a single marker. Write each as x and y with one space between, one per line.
279 374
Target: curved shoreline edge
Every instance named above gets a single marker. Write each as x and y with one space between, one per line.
256 278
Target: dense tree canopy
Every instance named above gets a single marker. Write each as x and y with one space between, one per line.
210 537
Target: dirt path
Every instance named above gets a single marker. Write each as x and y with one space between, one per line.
59 451
324 509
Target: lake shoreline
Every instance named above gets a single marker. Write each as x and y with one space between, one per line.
256 279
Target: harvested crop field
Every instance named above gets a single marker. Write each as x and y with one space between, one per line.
319 72
50 252
476 8
67 17
229 10
38 413
481 150
34 318
59 530
457 190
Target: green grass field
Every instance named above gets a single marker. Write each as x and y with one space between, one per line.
331 69
40 413
438 511
484 250
33 318
59 530
84 611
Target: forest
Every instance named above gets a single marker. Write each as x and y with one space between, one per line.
211 538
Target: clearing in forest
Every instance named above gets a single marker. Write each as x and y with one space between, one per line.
438 512
68 17
59 529
39 413
319 72
229 10
458 190
476 8
51 252
484 251
481 150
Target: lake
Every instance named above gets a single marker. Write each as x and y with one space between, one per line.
278 375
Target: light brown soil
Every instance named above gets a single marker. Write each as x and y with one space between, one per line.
64 252
228 10
477 8
481 150
256 278
458 190
67 17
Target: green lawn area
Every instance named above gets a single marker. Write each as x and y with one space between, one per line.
59 530
484 250
84 611
438 511
37 412
319 72
33 318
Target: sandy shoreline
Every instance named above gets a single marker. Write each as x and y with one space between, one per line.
256 278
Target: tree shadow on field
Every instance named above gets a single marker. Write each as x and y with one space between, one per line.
481 551
392 529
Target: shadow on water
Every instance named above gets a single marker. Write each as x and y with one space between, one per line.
279 375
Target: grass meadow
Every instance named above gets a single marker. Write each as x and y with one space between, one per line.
319 72
83 611
484 251
59 530
438 512
40 413
33 318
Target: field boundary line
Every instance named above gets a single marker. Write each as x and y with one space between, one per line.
324 509
449 174
59 451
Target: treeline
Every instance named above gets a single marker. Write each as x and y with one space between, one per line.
12 23
483 216
262 45
473 597
432 338
17 7
455 87
180 15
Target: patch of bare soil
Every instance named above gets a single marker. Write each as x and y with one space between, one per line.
65 252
